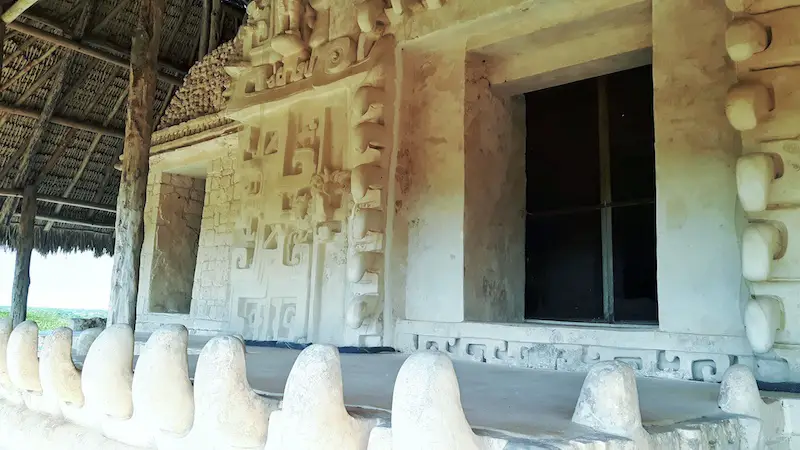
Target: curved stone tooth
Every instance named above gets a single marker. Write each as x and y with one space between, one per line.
365 97
369 13
739 395
358 263
763 317
761 245
227 411
744 38
359 309
426 406
162 393
107 374
365 177
60 379
85 340
314 403
22 358
370 135
365 220
748 105
7 389
755 173
609 402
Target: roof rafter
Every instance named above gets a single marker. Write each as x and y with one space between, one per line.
79 47
89 152
50 103
60 201
14 11
28 67
63 121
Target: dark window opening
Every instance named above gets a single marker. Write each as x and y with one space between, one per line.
590 227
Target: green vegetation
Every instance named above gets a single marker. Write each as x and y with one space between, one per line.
52 318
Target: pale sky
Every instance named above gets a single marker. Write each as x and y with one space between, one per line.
73 281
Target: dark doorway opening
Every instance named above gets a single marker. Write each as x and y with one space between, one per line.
591 218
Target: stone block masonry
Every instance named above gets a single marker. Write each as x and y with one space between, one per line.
212 275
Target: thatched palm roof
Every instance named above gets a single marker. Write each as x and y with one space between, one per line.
77 163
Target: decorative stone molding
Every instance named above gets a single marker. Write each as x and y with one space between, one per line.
765 106
699 360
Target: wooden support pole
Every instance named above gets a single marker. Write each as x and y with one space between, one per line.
22 266
205 22
135 167
2 43
214 25
81 48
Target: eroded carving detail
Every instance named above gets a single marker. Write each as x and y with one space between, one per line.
579 358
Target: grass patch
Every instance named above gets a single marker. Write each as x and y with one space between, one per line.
52 318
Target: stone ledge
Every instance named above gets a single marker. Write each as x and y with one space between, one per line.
574 348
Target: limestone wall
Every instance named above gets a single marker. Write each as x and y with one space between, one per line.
373 191
46 402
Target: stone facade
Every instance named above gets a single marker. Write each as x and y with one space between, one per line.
368 185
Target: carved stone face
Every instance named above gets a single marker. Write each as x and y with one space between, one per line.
300 206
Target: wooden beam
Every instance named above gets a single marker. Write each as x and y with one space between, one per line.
88 156
83 49
63 121
79 80
169 40
6 168
22 265
50 102
121 4
133 181
112 49
2 44
15 193
66 141
33 88
28 67
21 48
205 22
13 11
214 25
82 223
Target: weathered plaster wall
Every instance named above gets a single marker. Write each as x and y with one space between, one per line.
700 288
494 200
172 225
432 137
176 234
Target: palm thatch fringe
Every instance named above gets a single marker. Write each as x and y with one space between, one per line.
61 240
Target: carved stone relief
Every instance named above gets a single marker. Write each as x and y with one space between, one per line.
312 173
579 358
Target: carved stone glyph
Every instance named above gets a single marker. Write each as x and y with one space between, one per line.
311 200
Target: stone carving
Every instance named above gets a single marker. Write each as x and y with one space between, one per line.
578 358
292 204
